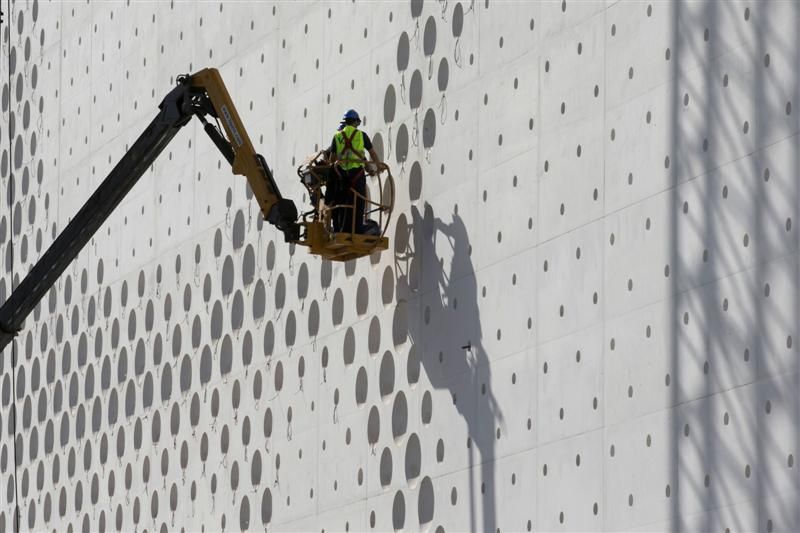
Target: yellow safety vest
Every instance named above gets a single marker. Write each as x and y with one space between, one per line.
350 148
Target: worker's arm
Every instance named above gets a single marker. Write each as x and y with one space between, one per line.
331 151
373 156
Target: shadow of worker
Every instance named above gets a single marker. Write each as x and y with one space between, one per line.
443 322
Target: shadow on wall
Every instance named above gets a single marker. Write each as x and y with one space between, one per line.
735 305
440 314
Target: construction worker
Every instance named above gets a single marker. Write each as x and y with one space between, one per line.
347 152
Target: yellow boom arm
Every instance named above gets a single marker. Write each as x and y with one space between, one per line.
213 99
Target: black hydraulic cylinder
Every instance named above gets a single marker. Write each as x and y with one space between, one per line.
174 114
220 141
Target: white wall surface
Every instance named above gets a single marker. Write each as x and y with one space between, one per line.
587 318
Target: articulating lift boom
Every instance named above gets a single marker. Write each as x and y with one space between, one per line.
201 94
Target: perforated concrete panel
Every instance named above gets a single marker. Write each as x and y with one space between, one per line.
587 317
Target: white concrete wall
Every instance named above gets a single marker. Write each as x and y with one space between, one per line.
587 319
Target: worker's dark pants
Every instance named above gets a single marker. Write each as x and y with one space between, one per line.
342 217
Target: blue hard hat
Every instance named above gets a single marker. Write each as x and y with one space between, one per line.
351 114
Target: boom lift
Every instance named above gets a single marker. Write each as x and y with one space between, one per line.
201 95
